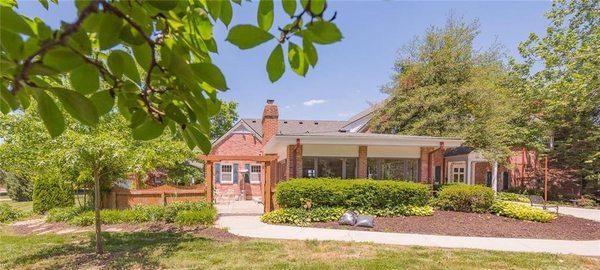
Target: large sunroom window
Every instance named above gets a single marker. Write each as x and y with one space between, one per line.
334 167
393 168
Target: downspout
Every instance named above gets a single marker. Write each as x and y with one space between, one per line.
294 159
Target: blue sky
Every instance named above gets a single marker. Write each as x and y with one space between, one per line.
349 74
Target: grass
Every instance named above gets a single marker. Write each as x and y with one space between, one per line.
169 250
22 206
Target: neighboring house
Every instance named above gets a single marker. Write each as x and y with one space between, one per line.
282 149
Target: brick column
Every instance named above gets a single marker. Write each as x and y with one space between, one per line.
425 170
362 161
290 161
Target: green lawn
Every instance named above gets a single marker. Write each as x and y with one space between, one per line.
23 206
165 250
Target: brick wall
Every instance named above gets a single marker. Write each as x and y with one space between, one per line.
290 168
270 121
228 191
437 159
240 144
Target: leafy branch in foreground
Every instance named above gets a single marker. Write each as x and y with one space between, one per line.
150 60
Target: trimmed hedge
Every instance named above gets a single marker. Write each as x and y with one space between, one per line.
522 212
84 216
465 198
51 192
354 193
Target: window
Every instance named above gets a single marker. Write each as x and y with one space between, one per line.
395 169
255 171
226 173
334 167
457 173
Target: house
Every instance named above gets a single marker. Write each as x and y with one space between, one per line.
269 149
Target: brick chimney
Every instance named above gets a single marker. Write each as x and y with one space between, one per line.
270 121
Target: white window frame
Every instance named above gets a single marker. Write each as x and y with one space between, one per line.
222 173
252 173
457 166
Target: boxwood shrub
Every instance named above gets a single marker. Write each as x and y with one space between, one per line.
50 192
521 211
206 216
353 193
465 198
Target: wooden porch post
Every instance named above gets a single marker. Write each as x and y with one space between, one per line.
267 188
208 180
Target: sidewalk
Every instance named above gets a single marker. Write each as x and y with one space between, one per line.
591 214
251 226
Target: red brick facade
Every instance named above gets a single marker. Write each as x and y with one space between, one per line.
270 121
238 144
430 158
362 161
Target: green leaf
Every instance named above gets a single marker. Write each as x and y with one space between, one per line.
226 12
173 112
148 130
317 6
165 5
131 35
323 32
198 138
214 9
246 36
13 22
275 64
210 74
62 59
44 3
10 99
310 51
12 43
289 6
103 102
265 14
297 60
77 105
109 31
49 112
143 55
120 62
85 79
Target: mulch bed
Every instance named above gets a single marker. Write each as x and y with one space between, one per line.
486 225
25 228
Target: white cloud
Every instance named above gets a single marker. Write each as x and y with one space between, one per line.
313 102
343 114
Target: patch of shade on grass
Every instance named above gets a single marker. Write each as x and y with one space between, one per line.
174 250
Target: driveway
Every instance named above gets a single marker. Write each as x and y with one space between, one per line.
251 226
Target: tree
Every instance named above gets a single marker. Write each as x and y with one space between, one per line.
224 120
94 63
561 80
443 86
149 58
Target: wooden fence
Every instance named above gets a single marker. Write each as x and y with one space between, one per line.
121 198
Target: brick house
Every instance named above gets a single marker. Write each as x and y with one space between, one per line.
271 149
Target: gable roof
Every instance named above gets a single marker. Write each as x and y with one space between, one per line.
240 127
462 150
298 126
359 121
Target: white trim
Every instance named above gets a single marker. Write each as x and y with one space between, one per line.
457 165
221 173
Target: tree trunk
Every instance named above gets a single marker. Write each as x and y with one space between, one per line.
98 222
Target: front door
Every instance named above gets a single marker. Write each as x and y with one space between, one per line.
488 179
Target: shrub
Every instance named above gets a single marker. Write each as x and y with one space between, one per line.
206 216
355 193
18 188
9 214
522 212
49 191
65 214
465 198
84 216
507 196
586 201
301 216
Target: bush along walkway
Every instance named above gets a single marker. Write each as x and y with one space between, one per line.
251 226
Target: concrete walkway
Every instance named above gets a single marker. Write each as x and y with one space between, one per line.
591 214
251 226
248 208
